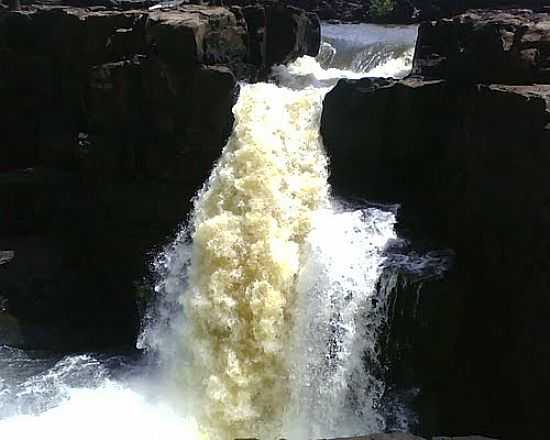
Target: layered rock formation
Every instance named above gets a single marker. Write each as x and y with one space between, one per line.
111 120
467 158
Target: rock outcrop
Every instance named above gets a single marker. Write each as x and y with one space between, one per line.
468 160
399 11
509 47
111 120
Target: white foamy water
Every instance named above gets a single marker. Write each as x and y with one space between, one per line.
266 322
109 411
334 392
309 72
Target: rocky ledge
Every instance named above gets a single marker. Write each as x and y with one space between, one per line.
406 436
463 145
399 11
508 47
111 120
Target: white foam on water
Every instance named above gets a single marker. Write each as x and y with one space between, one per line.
397 67
307 72
110 411
337 327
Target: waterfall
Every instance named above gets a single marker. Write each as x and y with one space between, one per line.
278 312
267 316
248 232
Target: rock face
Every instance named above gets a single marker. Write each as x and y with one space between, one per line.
399 11
111 120
468 162
387 436
509 47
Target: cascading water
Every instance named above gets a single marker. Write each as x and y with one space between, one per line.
266 322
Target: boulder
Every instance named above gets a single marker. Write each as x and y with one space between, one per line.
10 330
290 33
508 47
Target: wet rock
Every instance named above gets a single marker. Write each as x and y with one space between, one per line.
509 47
10 330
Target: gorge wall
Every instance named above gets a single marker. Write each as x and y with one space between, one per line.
462 144
111 120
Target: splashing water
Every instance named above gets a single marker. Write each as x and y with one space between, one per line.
335 392
249 226
277 283
261 289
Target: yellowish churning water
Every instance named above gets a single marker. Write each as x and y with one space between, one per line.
249 226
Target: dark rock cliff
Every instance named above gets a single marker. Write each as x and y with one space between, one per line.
467 158
110 121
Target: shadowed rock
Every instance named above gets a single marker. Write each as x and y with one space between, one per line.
509 47
468 163
111 121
